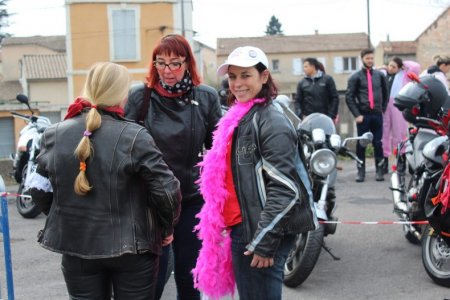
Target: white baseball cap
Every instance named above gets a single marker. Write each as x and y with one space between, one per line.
247 56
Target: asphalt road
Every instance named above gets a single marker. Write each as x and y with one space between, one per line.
376 261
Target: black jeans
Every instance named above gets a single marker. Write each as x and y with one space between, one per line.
186 247
131 276
374 124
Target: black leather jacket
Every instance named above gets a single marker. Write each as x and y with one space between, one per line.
317 94
357 97
182 131
272 198
135 200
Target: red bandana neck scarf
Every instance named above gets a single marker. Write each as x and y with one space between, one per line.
79 104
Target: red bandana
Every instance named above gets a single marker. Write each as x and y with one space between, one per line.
79 104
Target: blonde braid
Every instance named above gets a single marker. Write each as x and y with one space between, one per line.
84 151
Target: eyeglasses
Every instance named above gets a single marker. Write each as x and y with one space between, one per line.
173 66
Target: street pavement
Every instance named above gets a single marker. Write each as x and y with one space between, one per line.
376 261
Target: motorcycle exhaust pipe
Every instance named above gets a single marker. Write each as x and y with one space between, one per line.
400 207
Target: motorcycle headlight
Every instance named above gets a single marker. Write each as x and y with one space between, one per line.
318 136
323 162
335 141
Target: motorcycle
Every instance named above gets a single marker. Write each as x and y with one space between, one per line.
24 160
435 246
321 145
424 155
424 112
408 196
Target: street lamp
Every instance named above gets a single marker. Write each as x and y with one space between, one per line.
368 24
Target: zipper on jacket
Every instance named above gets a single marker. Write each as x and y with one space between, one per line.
190 181
237 187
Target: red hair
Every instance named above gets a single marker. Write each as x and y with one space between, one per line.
179 46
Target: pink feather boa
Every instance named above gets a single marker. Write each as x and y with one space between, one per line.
213 274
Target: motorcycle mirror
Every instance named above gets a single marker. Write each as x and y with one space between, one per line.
366 139
24 100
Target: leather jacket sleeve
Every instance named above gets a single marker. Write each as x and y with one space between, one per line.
351 93
384 92
278 143
43 198
162 186
214 115
333 97
299 100
135 98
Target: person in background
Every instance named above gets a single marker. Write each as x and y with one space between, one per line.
440 69
181 115
316 93
255 201
110 199
395 127
367 97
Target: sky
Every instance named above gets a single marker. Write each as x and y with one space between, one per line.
402 20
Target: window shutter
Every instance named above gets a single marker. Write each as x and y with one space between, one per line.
124 34
297 66
323 60
338 65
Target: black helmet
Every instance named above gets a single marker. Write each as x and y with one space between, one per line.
424 98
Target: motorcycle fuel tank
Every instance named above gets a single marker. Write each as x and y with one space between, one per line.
422 138
434 149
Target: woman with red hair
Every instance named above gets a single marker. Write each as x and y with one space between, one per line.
181 114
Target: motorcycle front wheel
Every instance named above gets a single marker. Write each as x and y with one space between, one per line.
303 257
26 207
436 257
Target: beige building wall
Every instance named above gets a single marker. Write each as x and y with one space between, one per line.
434 40
11 55
48 91
208 66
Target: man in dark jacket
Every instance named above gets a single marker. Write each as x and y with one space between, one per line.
316 92
367 98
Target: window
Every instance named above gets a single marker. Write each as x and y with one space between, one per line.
350 64
124 33
297 66
345 64
275 65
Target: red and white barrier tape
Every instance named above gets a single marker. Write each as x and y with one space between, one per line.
376 222
321 222
6 194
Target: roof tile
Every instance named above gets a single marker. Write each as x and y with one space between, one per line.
48 66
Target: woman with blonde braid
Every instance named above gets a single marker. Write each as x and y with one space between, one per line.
110 199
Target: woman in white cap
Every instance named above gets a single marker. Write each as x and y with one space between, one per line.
255 201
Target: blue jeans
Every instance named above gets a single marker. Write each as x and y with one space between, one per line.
253 283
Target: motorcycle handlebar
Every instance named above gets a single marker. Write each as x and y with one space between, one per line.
32 119
16 114
352 155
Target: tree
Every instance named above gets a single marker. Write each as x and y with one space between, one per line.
3 20
274 27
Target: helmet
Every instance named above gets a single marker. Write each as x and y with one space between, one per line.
426 98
